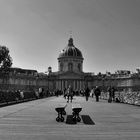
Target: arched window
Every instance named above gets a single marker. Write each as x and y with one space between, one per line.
79 67
70 67
61 67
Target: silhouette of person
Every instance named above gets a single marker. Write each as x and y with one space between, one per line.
69 94
87 93
97 93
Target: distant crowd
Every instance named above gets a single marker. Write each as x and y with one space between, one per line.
94 92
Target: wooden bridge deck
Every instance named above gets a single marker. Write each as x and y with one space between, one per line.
35 120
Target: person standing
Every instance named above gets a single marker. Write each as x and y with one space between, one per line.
97 93
111 91
113 94
110 94
65 93
87 93
69 94
92 92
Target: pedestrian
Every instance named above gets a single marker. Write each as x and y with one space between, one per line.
111 91
65 93
92 92
69 94
97 93
87 93
113 94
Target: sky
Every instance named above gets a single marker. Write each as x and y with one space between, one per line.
107 32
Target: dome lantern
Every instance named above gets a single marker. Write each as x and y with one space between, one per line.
70 43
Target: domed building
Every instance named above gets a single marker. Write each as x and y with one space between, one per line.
70 59
70 68
70 72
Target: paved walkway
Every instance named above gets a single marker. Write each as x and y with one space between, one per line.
35 120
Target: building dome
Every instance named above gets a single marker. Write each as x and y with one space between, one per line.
70 51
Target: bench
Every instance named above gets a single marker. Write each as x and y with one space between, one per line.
60 109
76 108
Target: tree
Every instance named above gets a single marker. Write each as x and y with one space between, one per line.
5 59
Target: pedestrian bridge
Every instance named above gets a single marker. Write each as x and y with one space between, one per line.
36 120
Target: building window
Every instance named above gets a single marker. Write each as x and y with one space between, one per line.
61 67
79 67
70 67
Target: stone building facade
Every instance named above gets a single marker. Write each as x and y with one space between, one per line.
70 72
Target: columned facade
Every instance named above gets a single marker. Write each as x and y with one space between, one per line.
77 84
